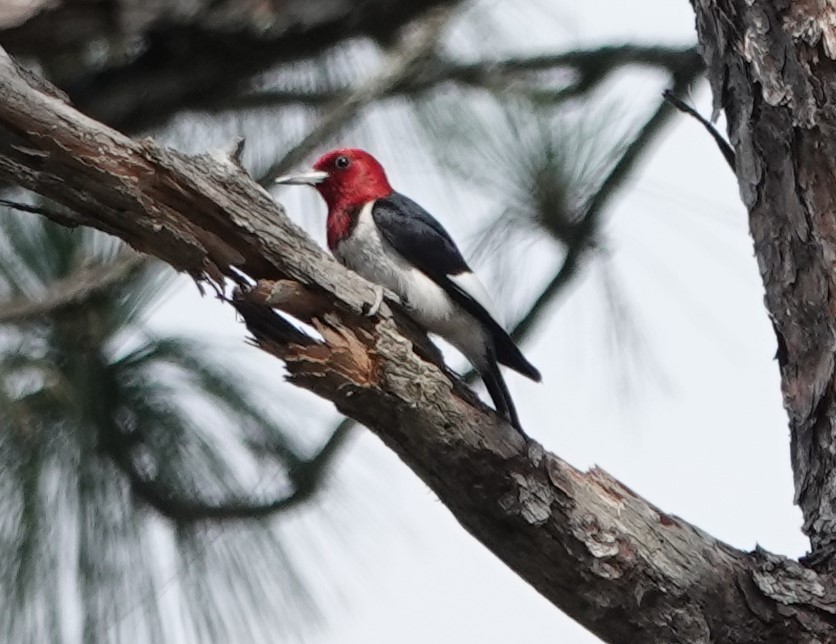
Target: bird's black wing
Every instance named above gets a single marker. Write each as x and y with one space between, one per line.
422 241
417 236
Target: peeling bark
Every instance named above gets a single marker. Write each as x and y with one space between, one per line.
608 558
772 70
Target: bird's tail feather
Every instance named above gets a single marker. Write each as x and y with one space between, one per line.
509 354
499 393
505 349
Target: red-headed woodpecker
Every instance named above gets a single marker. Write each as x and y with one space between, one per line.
391 241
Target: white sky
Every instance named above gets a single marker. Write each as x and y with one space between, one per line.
700 431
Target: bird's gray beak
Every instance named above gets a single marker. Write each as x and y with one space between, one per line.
310 178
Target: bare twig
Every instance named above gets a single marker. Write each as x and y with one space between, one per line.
415 45
725 148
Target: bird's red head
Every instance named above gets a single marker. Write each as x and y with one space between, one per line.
354 177
347 179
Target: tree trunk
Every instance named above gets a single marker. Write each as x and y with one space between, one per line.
771 67
614 562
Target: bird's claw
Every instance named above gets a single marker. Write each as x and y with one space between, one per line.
374 307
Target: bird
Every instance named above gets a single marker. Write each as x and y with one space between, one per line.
390 240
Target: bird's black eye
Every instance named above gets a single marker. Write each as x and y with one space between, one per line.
341 162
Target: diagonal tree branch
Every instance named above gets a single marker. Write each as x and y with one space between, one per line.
587 228
613 561
725 147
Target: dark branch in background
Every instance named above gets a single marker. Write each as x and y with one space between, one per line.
587 228
74 290
206 58
413 48
725 147
590 67
587 69
203 56
306 478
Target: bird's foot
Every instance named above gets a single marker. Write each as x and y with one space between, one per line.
374 307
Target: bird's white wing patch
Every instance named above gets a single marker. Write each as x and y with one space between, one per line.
471 285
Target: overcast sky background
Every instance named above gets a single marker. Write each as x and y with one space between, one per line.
691 418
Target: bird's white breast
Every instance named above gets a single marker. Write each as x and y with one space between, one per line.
368 254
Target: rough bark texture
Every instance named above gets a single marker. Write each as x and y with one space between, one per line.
771 66
618 565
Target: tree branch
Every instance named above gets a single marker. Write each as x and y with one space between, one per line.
74 290
614 562
306 478
587 228
587 70
161 61
725 148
